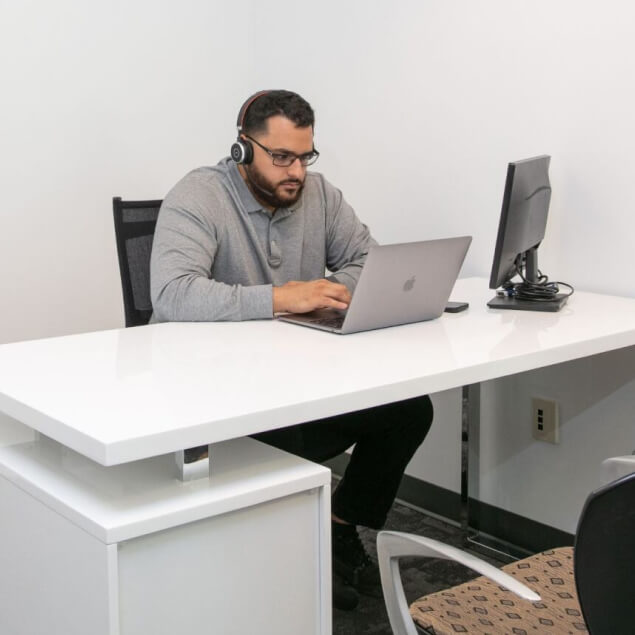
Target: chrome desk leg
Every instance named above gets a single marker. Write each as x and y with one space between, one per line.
193 463
470 470
470 440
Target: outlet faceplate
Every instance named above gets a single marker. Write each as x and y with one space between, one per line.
544 420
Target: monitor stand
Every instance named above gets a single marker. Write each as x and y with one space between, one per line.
551 306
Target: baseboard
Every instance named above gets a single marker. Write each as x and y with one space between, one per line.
512 528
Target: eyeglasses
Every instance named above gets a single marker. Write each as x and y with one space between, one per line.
285 159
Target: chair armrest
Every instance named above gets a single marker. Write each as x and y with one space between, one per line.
392 545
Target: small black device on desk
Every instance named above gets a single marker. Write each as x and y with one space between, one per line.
456 307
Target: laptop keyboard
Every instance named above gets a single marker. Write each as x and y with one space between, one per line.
334 321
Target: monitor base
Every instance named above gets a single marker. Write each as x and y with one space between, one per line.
550 306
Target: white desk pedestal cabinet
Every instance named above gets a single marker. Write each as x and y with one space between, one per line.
131 550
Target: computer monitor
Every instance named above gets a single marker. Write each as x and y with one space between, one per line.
521 228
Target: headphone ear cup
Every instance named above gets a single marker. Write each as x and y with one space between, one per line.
242 151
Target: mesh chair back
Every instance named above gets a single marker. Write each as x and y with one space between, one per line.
135 222
604 558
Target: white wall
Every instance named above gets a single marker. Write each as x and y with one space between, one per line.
98 100
420 106
550 482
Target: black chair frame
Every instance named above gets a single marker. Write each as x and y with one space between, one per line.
125 231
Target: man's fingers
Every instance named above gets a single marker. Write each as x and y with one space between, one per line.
337 291
335 304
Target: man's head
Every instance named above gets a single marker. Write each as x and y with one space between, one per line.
265 104
275 146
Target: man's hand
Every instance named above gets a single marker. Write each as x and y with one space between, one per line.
301 297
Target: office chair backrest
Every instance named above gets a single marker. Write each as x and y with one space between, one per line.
135 222
604 558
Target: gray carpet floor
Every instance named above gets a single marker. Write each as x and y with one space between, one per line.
419 576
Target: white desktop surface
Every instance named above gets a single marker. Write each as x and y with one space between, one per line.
128 394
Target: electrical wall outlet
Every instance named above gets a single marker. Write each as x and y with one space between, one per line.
544 420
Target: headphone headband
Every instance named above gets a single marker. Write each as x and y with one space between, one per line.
240 121
242 151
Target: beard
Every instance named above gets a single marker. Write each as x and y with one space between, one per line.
273 194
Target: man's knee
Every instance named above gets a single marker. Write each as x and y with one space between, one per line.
417 414
410 418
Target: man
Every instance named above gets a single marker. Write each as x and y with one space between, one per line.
252 237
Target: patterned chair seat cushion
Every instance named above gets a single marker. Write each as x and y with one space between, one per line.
481 606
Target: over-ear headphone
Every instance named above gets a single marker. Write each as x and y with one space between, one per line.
242 151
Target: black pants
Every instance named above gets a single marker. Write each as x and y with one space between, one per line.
385 439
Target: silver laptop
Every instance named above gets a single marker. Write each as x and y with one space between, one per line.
399 284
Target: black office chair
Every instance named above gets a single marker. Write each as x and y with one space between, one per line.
588 586
604 558
135 222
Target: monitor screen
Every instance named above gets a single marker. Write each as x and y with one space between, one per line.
523 217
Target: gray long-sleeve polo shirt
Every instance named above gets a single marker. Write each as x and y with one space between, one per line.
217 253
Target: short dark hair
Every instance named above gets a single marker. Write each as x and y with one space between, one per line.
277 102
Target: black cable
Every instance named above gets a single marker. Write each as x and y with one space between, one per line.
540 291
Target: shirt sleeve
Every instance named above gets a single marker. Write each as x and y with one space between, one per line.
182 290
347 239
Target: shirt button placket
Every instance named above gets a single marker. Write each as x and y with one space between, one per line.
275 255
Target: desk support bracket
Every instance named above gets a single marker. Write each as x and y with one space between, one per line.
193 463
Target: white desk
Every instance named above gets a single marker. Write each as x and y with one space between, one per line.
128 394
125 395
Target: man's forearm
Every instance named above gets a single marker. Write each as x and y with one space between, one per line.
198 299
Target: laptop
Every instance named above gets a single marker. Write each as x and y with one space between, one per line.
399 284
